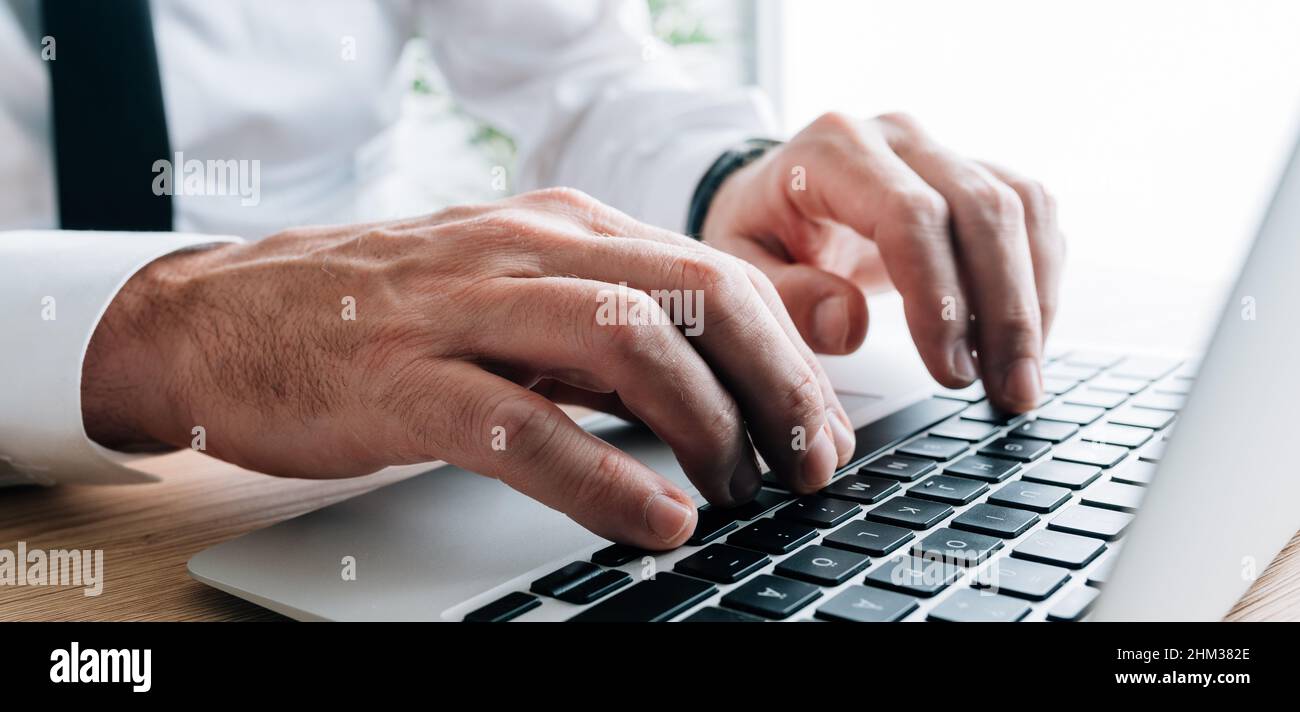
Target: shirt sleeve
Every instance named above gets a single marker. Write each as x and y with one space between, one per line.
54 288
593 101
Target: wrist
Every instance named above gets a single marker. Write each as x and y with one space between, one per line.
718 176
130 396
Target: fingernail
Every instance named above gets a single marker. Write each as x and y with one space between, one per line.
820 461
1022 382
666 517
963 366
746 480
831 323
844 438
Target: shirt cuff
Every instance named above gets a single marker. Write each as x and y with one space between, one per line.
56 285
673 174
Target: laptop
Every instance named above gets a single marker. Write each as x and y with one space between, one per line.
1143 487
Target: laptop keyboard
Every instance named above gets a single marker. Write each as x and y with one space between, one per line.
950 510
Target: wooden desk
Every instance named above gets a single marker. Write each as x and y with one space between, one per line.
148 532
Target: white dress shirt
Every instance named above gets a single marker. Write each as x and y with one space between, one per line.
307 88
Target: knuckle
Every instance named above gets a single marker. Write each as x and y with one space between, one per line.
713 275
528 426
1018 320
565 196
902 121
803 398
836 122
995 204
1037 199
917 206
598 488
638 342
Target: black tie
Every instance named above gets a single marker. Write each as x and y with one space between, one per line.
109 121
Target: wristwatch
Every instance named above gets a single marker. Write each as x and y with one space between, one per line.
729 162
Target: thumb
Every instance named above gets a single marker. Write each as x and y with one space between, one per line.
829 310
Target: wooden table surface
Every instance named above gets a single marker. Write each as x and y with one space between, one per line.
148 532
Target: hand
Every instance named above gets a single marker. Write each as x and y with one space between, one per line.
847 207
468 326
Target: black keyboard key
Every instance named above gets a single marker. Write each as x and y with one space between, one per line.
596 587
721 563
1142 417
774 536
985 413
935 448
508 607
657 599
1063 474
863 604
1058 548
772 597
1067 413
919 577
971 606
898 467
983 467
957 547
1018 449
765 501
1074 605
1114 495
1135 472
1022 579
969 430
1122 435
822 565
1030 495
618 554
565 578
1053 431
910 512
1095 398
1086 453
1090 521
952 490
863 489
872 538
711 524
819 511
1006 522
876 437
712 614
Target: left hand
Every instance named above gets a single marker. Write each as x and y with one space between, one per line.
847 207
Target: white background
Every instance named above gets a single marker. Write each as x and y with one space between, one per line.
1159 125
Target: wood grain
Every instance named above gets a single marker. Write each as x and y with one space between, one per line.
148 532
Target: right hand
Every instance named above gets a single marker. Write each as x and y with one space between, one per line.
469 326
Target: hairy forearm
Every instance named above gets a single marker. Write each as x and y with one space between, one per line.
128 399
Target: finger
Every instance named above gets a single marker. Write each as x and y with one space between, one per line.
993 248
606 338
739 337
610 222
1046 243
829 311
857 180
481 422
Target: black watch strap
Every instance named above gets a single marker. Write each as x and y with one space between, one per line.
729 162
